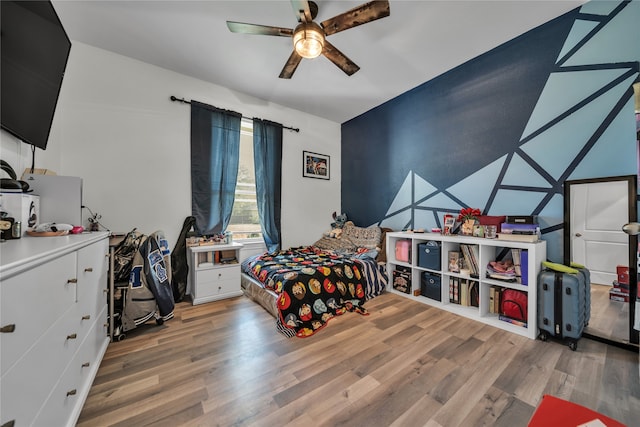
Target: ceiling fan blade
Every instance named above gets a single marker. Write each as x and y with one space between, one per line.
291 65
303 10
339 58
264 30
357 16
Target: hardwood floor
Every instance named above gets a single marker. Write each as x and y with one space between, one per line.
406 364
609 318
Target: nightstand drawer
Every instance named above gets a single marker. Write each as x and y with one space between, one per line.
218 281
219 273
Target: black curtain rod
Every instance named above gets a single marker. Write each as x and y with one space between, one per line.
184 101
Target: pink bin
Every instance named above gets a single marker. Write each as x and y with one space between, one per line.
403 250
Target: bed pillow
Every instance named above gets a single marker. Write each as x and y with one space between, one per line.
361 237
335 244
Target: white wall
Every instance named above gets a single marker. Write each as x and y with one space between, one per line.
117 129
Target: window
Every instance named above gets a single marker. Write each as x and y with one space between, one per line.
245 223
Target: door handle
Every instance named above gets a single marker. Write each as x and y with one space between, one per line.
578 235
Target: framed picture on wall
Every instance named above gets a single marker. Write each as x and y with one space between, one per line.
315 165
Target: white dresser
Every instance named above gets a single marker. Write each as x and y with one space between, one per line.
53 301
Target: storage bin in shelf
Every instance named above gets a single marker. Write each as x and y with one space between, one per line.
484 251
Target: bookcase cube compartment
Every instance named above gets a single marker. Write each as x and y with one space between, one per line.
402 279
429 255
431 285
403 250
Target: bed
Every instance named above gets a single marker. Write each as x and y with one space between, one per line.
305 287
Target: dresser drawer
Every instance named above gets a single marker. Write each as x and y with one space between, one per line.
65 402
25 386
32 301
92 287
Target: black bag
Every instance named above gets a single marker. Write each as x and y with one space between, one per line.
179 266
123 255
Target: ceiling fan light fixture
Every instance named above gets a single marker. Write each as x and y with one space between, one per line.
308 40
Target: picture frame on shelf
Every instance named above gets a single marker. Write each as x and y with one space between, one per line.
448 224
315 165
478 230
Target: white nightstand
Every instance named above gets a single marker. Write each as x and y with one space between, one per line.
214 272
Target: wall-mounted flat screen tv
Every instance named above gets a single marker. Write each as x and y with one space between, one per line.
34 51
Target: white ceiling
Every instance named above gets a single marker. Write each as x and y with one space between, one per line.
419 41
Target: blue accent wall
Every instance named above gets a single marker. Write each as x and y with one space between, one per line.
503 131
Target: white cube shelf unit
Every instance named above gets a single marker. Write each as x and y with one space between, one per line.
487 249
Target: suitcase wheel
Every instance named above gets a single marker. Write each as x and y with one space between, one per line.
573 345
544 335
159 321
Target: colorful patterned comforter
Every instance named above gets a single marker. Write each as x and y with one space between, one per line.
313 285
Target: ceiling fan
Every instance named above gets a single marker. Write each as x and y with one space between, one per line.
309 38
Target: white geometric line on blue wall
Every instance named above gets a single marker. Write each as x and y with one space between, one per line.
579 30
440 200
421 187
474 190
564 90
521 173
424 220
603 8
398 221
515 202
609 148
548 215
548 150
403 196
614 43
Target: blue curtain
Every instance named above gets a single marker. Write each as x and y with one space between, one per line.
267 158
215 148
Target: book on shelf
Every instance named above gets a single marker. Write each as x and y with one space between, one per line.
474 294
464 292
521 263
492 296
528 238
519 228
456 290
496 299
471 254
512 321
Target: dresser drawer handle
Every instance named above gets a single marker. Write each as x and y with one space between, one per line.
72 281
72 392
85 365
7 329
72 336
88 270
86 317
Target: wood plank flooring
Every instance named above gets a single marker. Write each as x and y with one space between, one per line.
405 364
609 318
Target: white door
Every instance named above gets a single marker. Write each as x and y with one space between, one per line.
598 212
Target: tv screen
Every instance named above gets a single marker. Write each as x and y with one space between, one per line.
34 50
